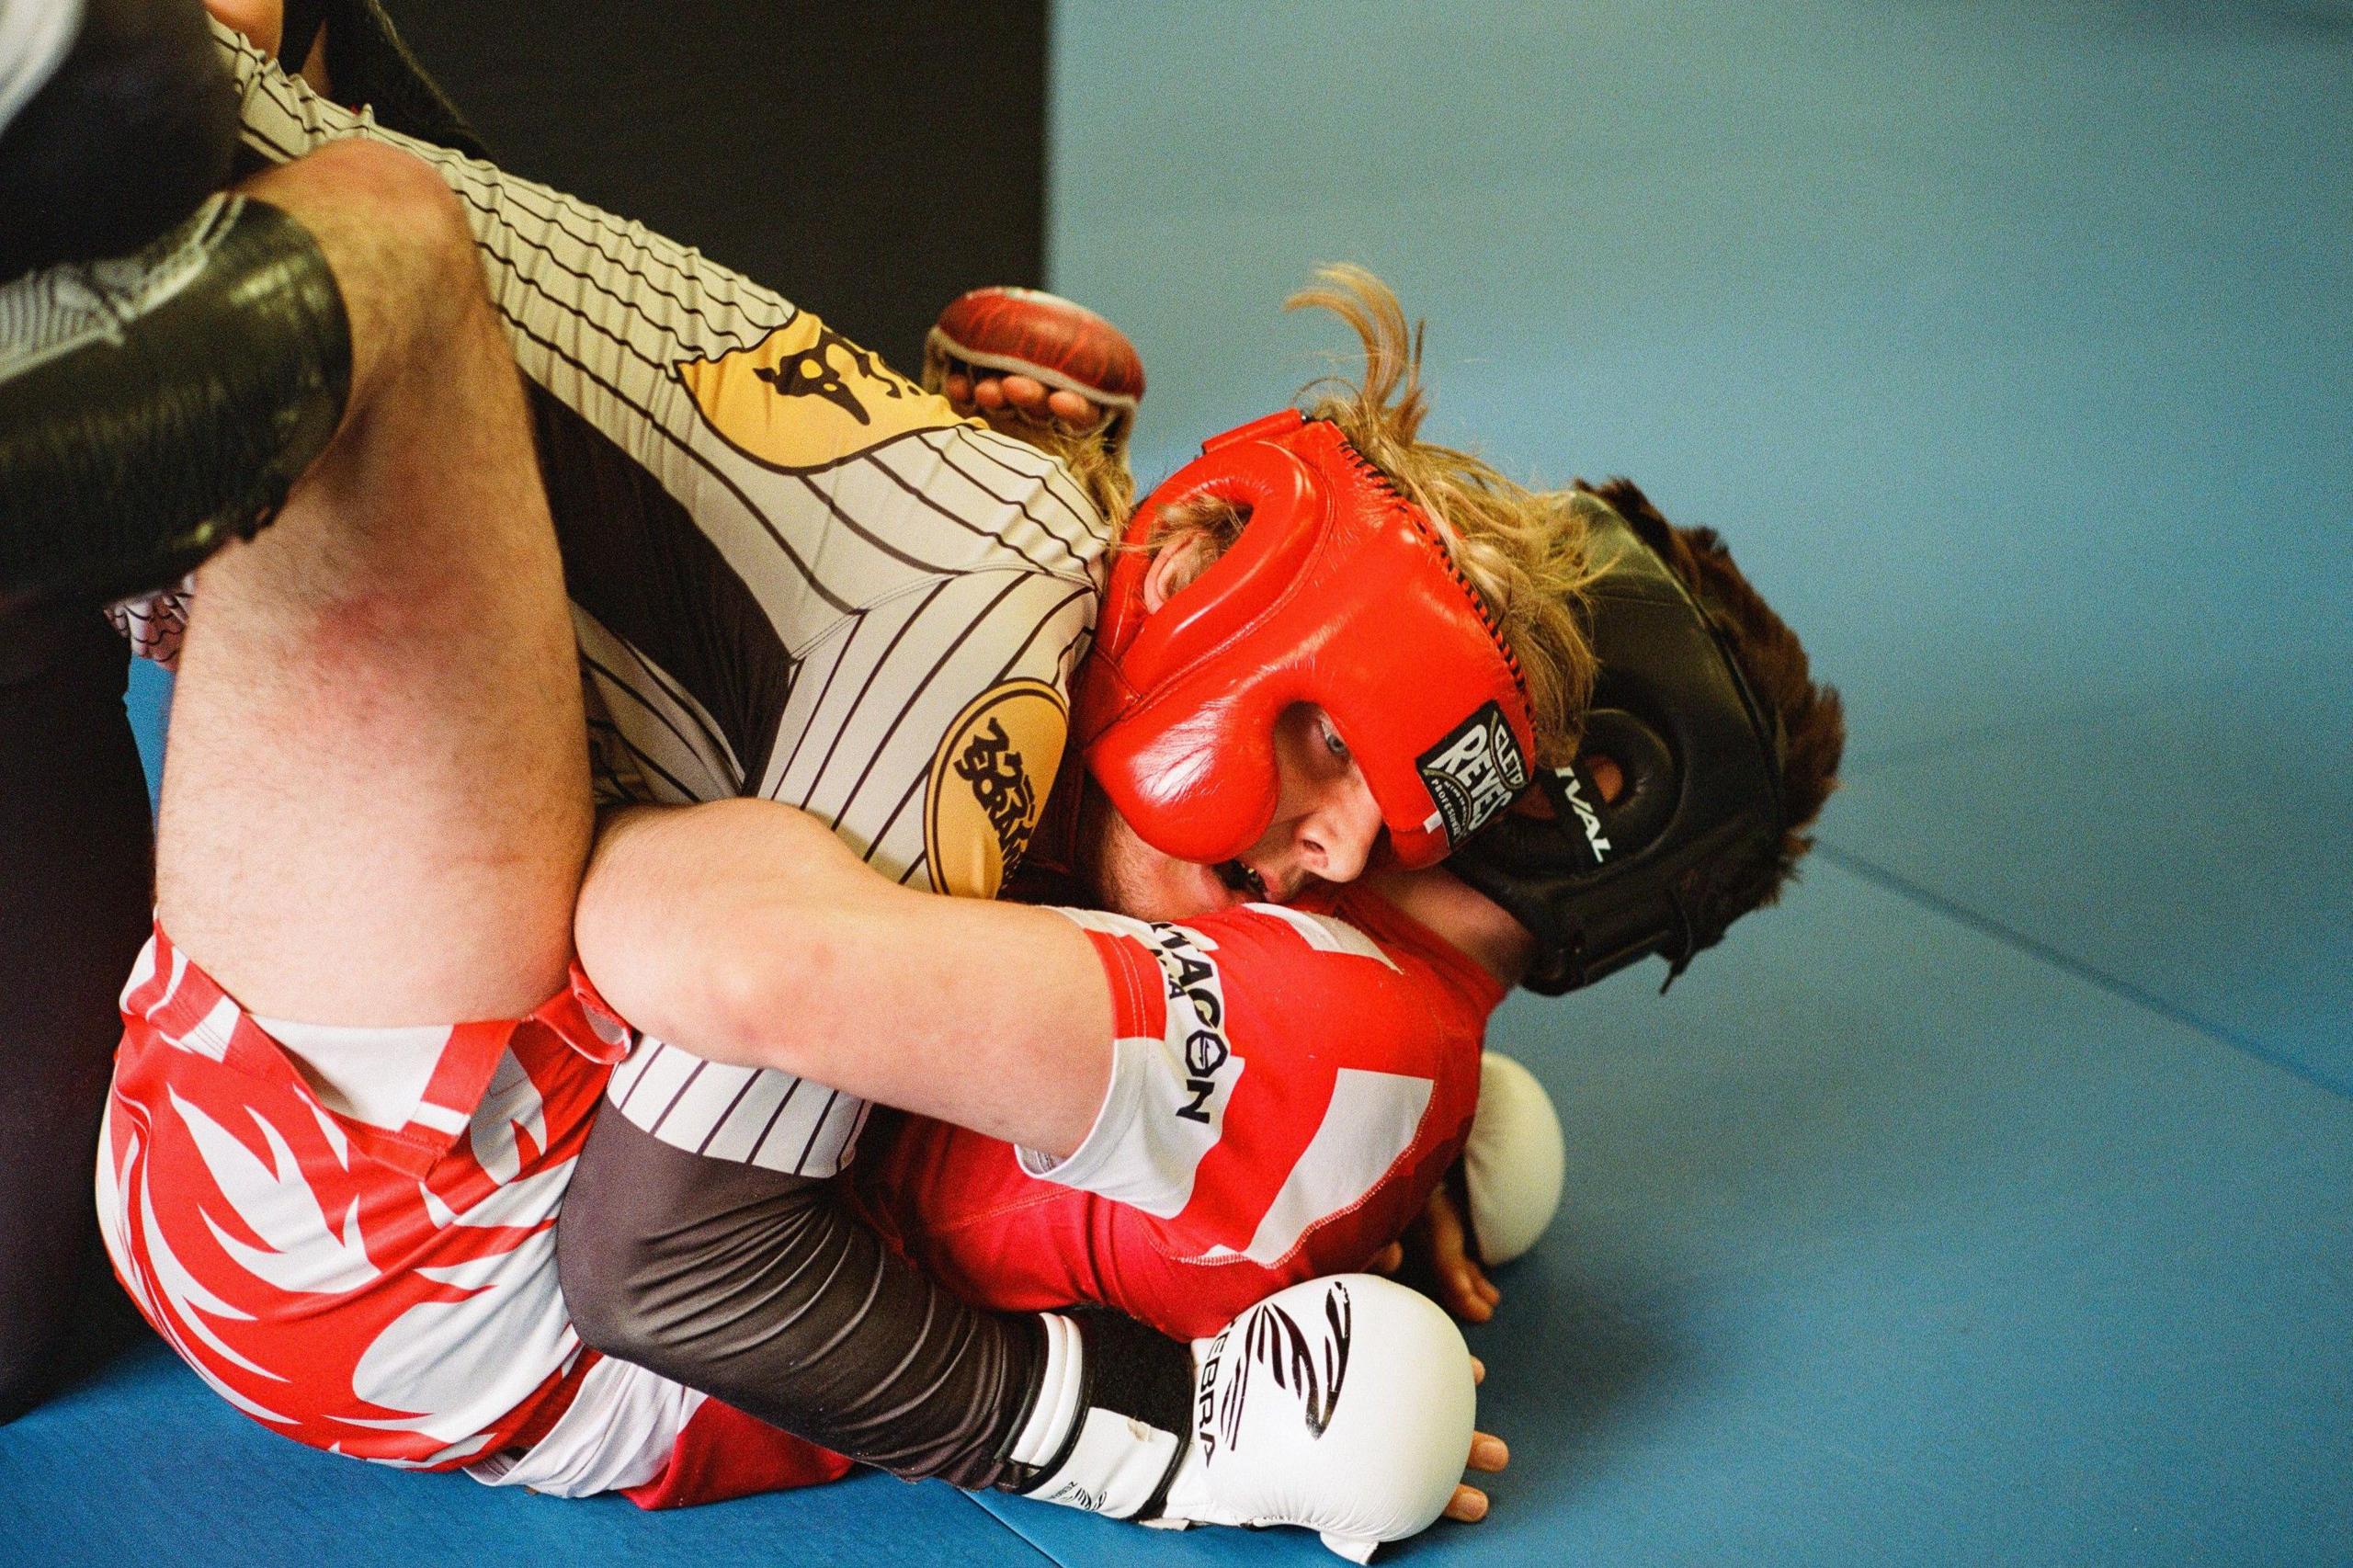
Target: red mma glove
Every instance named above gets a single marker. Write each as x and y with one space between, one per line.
1061 346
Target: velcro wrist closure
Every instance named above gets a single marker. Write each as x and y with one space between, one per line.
1053 1414
1131 1390
1117 1466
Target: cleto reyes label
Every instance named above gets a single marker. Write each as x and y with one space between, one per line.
1474 772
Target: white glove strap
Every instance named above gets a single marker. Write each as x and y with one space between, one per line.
1115 1468
1048 1428
1103 1461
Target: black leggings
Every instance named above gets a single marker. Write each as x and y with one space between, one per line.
136 126
77 853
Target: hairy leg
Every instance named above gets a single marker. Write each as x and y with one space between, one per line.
376 807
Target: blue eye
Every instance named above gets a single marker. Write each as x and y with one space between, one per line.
1332 743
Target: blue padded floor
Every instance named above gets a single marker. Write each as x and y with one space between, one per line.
1987 1204
2193 858
143 1463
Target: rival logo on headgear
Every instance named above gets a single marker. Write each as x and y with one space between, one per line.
1474 772
1573 790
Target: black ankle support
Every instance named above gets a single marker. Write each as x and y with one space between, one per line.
131 454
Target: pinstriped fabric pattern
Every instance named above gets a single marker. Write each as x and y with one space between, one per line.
792 572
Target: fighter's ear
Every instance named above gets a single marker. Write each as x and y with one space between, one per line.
1608 777
1648 777
1174 567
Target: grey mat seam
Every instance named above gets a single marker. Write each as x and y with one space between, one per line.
2106 711
1016 1531
2115 985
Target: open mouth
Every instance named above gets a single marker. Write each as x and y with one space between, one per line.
1241 880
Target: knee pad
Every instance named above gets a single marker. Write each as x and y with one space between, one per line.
154 408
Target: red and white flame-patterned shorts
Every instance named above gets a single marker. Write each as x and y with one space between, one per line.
390 1292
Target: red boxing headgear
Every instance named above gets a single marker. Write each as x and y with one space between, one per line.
1338 592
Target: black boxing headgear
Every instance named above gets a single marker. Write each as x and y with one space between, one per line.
1601 886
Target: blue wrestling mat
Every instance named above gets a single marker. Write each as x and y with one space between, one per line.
1992 1202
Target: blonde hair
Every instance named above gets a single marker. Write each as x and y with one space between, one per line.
1523 550
1097 458
1098 465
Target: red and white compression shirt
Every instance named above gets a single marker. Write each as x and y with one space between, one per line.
1290 1084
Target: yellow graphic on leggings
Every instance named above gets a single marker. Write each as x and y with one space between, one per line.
988 783
805 397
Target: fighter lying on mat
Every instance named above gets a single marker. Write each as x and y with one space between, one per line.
501 744
436 569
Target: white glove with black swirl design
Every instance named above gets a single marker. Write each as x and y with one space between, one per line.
1343 1404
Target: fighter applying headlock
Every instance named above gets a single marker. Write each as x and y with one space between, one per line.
504 882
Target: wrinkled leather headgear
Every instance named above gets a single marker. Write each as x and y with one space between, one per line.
1338 592
1601 886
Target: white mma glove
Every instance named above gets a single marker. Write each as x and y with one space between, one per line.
1343 1404
1513 1163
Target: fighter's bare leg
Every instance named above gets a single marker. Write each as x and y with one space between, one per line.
377 807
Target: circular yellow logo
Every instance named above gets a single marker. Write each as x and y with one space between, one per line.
988 785
805 398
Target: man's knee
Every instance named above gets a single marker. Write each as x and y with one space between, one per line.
599 1258
654 1241
395 191
396 237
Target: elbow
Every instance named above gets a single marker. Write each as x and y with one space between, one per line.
670 952
627 922
709 928
668 985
